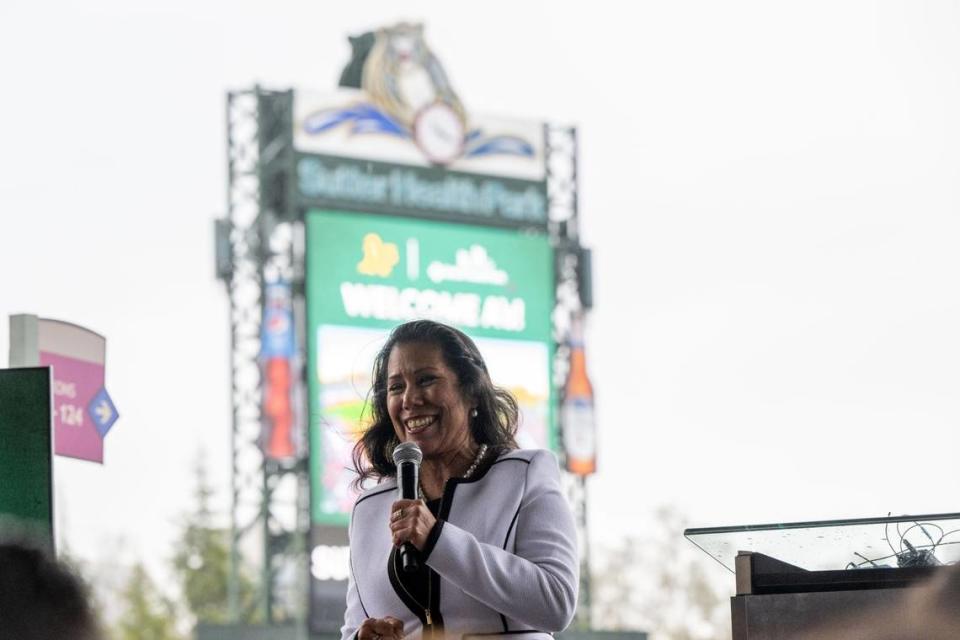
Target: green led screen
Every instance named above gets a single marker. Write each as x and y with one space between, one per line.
367 273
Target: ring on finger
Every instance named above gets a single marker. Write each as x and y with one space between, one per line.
396 516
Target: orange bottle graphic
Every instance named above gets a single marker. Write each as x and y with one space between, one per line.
579 428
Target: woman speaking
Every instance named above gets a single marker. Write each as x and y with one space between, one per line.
492 530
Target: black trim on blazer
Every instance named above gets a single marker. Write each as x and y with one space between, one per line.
431 542
355 581
432 583
482 471
506 538
416 607
510 528
357 587
372 494
445 514
502 633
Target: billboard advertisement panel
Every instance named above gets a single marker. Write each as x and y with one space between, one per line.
280 368
367 273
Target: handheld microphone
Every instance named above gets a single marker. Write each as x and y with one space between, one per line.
407 456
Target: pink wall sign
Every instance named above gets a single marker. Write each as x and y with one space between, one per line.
83 412
75 383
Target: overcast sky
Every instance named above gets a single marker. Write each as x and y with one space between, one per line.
771 191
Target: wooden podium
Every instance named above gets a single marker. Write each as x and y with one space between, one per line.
794 576
775 599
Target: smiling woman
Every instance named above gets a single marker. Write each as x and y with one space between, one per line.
494 532
451 367
426 406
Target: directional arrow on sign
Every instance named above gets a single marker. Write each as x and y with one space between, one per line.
103 412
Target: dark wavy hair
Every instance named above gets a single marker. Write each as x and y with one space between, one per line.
497 417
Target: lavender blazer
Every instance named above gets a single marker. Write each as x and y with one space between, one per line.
504 551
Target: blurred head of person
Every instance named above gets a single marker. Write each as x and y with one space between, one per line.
41 599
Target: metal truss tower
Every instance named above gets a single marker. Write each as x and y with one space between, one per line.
260 242
573 298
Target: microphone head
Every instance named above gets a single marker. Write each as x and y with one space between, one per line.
407 452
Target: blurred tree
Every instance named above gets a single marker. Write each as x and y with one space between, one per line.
202 560
146 613
659 584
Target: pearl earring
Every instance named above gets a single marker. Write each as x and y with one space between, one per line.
473 412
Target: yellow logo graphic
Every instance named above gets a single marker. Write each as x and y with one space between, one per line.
379 257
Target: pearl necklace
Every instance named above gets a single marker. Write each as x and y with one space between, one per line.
476 462
482 451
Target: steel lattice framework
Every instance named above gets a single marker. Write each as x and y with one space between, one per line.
244 285
268 523
562 202
264 243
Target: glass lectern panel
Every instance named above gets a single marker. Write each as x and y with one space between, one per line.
893 541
